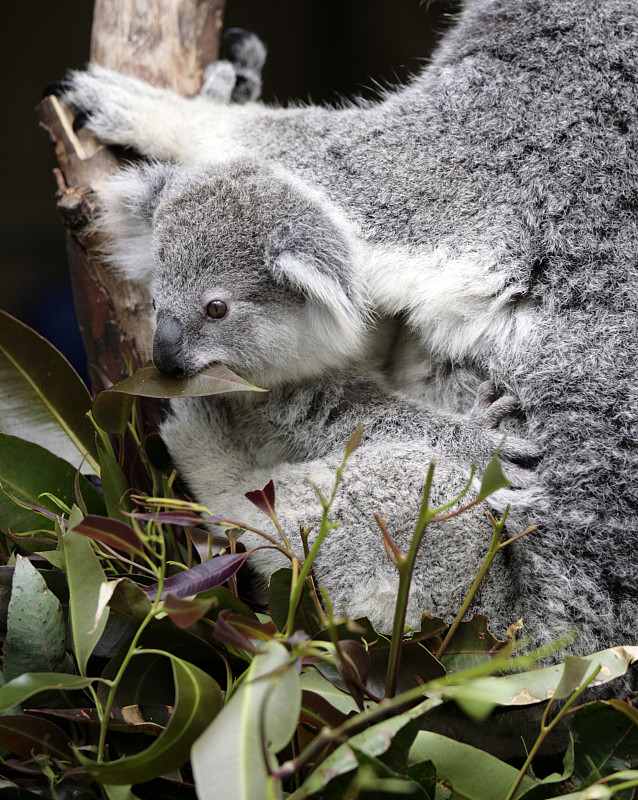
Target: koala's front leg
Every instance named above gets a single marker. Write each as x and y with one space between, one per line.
158 123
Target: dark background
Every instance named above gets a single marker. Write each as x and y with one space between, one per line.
319 51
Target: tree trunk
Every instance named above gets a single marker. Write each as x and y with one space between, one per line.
167 43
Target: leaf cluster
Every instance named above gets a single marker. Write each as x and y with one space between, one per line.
133 667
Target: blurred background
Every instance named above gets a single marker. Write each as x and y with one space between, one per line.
319 51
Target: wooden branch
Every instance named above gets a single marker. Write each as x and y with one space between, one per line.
167 43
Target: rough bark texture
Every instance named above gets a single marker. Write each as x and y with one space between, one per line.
168 43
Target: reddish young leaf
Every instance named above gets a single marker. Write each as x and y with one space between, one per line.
183 518
211 573
252 628
133 717
25 735
112 532
185 613
226 633
45 512
318 712
264 499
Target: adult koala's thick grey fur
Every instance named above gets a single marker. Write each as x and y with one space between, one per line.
492 206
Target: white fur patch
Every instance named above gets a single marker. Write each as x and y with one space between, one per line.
459 304
130 239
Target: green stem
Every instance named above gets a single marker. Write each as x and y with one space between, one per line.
108 706
478 580
405 565
547 728
324 528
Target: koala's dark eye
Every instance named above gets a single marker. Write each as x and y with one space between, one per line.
216 309
153 304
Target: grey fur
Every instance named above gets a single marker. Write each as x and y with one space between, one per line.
491 207
222 233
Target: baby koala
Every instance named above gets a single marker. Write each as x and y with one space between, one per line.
249 268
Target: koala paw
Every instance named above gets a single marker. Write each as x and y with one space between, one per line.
236 78
520 456
96 98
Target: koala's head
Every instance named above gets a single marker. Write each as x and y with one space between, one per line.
246 267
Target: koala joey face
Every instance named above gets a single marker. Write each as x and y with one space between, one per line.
249 271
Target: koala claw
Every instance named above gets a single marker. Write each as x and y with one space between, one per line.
244 49
81 120
490 409
57 88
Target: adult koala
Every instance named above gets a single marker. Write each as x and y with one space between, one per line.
491 206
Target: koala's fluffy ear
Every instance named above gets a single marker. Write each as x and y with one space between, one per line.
315 257
130 200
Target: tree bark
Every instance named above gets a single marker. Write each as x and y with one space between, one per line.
167 43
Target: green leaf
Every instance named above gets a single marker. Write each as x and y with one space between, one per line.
112 407
26 735
493 479
198 700
538 685
279 587
36 633
228 759
119 792
473 774
26 471
471 644
478 696
84 576
574 670
374 779
115 486
125 596
43 398
605 741
374 741
313 681
20 689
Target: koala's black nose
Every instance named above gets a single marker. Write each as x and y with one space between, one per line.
167 347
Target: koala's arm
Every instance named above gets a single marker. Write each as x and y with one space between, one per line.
312 420
158 123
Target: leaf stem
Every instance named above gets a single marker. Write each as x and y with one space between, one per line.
546 728
108 705
324 528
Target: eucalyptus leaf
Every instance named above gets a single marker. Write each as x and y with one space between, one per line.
27 471
261 717
279 589
538 685
493 479
473 774
114 485
207 575
21 688
374 741
313 681
36 631
605 742
27 735
125 596
112 532
43 398
84 576
198 699
112 407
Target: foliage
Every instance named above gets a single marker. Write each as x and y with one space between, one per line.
133 669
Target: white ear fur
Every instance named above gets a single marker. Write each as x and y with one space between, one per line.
300 271
130 199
